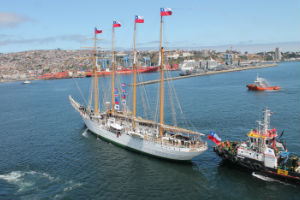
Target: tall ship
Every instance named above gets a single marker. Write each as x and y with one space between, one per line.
260 84
124 128
264 153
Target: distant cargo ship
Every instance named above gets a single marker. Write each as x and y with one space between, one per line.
68 74
260 84
59 75
124 71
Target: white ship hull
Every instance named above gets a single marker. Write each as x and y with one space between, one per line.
150 147
143 146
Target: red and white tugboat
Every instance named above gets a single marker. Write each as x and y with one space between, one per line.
263 153
260 84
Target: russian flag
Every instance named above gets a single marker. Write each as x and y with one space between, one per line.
139 19
165 11
214 137
116 24
97 31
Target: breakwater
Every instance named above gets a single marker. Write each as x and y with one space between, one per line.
209 73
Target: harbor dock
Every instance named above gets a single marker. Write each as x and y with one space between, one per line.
209 73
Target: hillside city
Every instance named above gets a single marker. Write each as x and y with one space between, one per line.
28 65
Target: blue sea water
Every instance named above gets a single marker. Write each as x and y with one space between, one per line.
47 153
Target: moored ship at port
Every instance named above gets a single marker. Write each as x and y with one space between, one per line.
124 71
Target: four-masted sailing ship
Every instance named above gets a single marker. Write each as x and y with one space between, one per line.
125 129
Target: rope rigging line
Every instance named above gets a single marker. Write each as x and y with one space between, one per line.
173 111
143 99
90 93
80 91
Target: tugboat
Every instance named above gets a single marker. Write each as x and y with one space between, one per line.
263 153
260 84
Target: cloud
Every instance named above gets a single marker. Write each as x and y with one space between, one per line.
75 38
12 20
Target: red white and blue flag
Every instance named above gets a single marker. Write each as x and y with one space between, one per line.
116 92
139 19
165 11
123 93
214 137
116 24
97 31
117 107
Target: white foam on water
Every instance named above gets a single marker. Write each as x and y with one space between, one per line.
268 179
264 178
71 186
85 133
25 180
11 177
37 182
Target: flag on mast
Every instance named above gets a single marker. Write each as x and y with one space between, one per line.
116 94
139 19
116 24
124 93
97 31
165 11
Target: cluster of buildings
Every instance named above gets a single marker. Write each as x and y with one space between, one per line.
32 64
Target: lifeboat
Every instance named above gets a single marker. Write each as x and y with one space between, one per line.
260 84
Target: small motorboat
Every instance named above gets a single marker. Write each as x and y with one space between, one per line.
260 84
27 82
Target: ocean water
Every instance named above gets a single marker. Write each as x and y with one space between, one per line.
47 153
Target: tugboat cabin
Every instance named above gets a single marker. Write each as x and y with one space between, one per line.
268 137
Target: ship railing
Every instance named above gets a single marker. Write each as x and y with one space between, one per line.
192 146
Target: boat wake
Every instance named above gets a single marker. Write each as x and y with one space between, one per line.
32 184
85 133
267 179
26 181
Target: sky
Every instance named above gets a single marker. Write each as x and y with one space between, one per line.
257 25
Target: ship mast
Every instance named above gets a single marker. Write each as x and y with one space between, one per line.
134 77
95 70
161 80
113 71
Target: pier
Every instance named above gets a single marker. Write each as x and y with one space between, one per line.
208 73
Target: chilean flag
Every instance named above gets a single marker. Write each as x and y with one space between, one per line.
139 19
165 11
97 31
214 137
116 24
